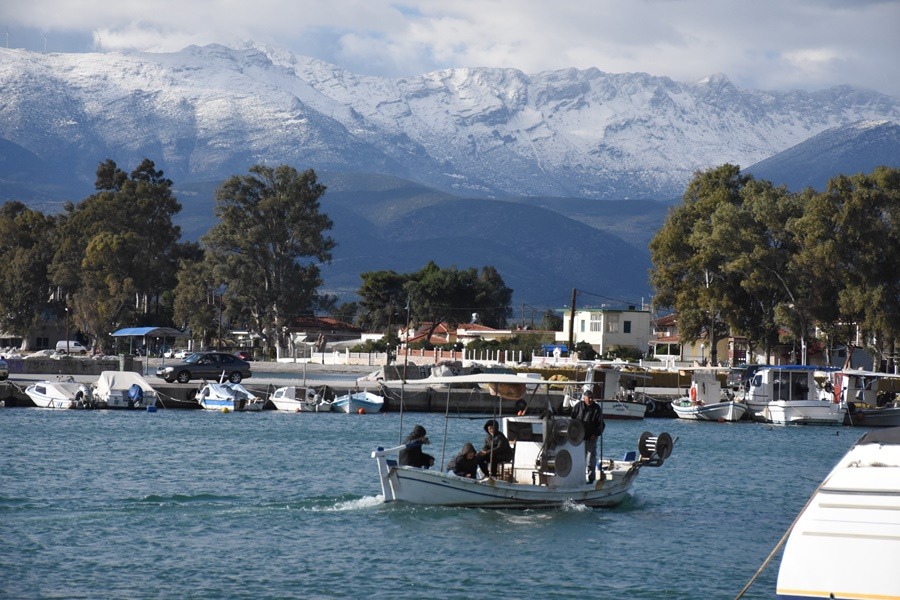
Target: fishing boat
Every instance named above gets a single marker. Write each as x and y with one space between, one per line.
792 394
227 397
293 399
706 401
870 397
364 402
60 394
123 389
615 389
855 512
548 467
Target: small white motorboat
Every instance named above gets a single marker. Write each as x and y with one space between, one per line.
870 397
123 389
548 468
60 394
293 399
706 401
228 397
358 403
854 513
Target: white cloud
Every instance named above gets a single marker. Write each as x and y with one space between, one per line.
766 44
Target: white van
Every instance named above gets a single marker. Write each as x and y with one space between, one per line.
71 346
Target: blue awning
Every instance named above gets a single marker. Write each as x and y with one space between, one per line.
162 332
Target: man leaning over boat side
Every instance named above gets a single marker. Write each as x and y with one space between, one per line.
589 413
465 464
412 455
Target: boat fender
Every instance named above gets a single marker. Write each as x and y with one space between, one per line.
693 394
651 407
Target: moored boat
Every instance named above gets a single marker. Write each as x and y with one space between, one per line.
854 513
706 401
870 397
792 394
123 389
60 394
364 402
548 466
615 389
295 399
227 397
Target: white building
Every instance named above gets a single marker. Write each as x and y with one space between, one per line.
605 328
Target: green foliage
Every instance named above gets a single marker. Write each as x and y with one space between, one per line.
585 351
269 222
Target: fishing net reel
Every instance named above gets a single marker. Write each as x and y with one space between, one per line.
655 450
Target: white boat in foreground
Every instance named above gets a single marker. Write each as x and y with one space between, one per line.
548 467
228 397
854 514
293 399
60 394
123 389
358 403
706 400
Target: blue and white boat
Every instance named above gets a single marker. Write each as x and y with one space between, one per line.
227 397
792 394
358 403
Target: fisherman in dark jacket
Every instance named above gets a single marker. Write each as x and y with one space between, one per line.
412 455
591 416
465 464
496 448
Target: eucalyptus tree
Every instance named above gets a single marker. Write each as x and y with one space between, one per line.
852 248
25 255
117 249
690 271
268 242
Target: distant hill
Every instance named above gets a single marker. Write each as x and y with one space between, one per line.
845 150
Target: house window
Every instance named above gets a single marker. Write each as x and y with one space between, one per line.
596 322
582 325
612 323
626 327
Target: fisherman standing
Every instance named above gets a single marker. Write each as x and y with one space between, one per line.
591 416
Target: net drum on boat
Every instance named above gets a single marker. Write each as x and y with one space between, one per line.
660 445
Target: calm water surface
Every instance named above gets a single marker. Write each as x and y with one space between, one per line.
194 504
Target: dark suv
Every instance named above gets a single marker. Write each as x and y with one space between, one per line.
217 366
739 377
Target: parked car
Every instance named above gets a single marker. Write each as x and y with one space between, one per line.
206 365
739 377
244 355
70 346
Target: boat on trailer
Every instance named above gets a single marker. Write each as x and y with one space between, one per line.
548 467
853 516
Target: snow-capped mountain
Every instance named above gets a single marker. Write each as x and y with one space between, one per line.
849 149
206 113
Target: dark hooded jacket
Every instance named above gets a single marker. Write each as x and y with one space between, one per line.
464 466
496 447
412 455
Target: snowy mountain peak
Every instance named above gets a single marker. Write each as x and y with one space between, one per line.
208 112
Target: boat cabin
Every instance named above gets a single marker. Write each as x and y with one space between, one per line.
546 451
865 388
612 383
788 383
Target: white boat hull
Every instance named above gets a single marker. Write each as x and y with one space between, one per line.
287 405
720 411
853 516
366 402
423 486
59 395
804 412
621 409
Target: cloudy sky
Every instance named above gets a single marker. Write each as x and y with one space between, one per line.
763 44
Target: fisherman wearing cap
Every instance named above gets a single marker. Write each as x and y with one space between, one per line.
589 413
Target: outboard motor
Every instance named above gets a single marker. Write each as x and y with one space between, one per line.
135 395
84 398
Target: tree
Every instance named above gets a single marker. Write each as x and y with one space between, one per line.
25 255
689 271
269 223
117 250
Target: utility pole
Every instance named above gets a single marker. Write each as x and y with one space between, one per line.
572 323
